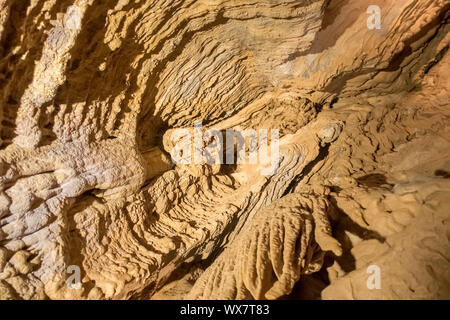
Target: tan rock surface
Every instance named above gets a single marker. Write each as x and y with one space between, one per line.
91 92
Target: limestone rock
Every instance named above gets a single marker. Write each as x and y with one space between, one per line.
92 92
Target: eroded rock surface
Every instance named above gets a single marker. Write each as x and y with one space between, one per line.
93 90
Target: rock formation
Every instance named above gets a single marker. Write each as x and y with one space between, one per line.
92 92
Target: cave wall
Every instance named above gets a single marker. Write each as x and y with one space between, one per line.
91 92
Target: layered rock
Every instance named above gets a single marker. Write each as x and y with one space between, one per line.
93 90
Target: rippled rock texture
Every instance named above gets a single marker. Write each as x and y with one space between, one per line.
92 90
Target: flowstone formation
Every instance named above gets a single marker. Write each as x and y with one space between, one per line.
93 205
